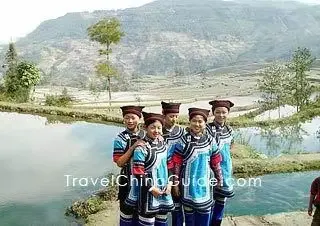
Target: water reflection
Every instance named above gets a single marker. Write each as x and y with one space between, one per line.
35 156
293 139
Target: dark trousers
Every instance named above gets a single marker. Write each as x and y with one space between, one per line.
316 217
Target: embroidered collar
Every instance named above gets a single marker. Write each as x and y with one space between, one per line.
132 133
197 137
218 125
151 141
169 130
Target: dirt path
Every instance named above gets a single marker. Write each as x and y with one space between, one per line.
110 217
281 219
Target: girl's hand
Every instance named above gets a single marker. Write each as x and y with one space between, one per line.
310 210
156 192
160 138
138 143
176 191
167 190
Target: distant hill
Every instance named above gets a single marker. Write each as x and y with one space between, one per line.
168 35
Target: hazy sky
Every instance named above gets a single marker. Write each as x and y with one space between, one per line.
20 17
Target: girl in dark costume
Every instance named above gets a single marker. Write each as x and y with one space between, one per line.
171 134
150 168
123 147
195 157
223 134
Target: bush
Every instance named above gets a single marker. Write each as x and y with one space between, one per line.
63 100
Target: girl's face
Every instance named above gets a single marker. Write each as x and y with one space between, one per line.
197 124
220 114
171 119
154 130
131 121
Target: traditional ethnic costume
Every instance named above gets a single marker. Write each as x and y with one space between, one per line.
123 141
315 190
150 168
171 136
224 137
195 157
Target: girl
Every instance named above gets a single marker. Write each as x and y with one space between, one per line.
194 154
123 147
171 134
150 168
224 136
315 201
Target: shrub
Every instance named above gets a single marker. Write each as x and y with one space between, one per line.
62 100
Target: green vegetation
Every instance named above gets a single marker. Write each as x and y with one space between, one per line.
299 84
288 84
95 203
274 85
256 167
108 115
307 113
113 114
20 78
248 163
107 32
62 100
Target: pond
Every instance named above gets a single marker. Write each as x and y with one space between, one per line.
303 137
36 156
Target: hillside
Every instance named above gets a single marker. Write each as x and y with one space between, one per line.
168 35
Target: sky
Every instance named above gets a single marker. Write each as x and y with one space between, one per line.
20 17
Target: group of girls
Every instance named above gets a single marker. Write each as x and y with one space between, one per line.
165 168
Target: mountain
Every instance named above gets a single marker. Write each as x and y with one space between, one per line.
168 35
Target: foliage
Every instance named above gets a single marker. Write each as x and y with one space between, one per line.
106 32
299 84
20 78
28 74
62 100
11 57
274 85
83 208
96 202
105 70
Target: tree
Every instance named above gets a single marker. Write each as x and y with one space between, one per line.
178 73
107 32
203 76
11 57
299 84
11 61
274 85
20 77
28 76
19 86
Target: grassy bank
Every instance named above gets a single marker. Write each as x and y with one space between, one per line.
108 115
248 163
102 115
113 114
247 120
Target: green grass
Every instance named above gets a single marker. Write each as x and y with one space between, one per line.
113 114
256 167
